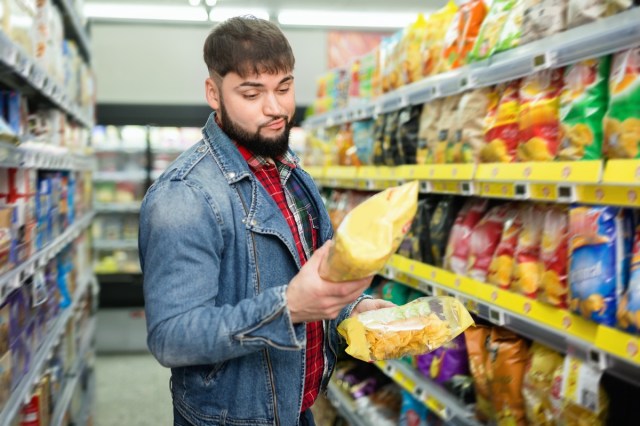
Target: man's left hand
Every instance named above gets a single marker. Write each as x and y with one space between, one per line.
370 305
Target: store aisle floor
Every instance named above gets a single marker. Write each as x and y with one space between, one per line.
132 390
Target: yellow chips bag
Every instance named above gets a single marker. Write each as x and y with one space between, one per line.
370 234
416 328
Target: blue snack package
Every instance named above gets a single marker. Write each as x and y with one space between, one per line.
596 263
413 412
628 316
363 140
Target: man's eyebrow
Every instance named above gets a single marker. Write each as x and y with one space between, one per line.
286 79
256 84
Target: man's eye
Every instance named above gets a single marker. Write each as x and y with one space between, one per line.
283 90
250 96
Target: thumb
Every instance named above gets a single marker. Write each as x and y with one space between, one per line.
321 253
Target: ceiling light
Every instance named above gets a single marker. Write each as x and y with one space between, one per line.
325 18
194 2
220 14
211 3
123 11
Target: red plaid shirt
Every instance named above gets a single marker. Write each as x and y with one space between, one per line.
272 176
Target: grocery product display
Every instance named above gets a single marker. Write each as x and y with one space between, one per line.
525 157
47 287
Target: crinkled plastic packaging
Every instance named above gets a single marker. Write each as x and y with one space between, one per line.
370 234
416 328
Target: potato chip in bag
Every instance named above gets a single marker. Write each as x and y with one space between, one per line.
477 339
539 116
594 281
456 257
527 268
538 380
491 29
412 329
583 104
462 34
554 256
502 132
428 131
508 355
501 268
437 25
628 316
370 234
468 137
622 122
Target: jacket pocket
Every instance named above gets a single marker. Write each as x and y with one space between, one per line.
210 375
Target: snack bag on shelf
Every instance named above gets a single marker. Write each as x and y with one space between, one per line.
543 18
538 380
418 236
370 234
491 29
413 412
511 35
407 135
527 270
506 362
583 104
462 34
477 340
539 116
628 315
622 121
581 12
501 268
441 223
366 73
446 362
346 148
468 138
389 140
457 254
411 53
501 125
415 328
428 131
446 128
437 25
484 240
595 235
363 140
554 257
395 292
378 137
391 50
576 396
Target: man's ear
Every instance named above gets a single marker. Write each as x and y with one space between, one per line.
212 93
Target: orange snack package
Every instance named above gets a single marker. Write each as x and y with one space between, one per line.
501 125
437 25
477 339
554 256
539 115
527 268
501 268
462 34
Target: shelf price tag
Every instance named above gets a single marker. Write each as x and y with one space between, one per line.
497 317
566 193
521 191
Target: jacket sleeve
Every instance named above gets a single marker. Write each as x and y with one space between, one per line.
181 267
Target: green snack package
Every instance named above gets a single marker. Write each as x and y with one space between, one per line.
622 122
583 104
395 292
511 35
491 29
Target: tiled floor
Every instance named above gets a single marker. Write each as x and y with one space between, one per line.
132 390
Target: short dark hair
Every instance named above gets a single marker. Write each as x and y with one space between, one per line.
247 45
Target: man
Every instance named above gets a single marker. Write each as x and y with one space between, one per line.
234 302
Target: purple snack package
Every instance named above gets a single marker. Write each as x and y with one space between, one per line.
445 362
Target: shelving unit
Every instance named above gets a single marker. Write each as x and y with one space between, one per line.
345 405
75 27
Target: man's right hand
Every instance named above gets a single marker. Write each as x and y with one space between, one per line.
311 298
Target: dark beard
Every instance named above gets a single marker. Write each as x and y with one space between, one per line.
256 143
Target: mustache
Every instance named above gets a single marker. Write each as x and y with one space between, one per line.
274 119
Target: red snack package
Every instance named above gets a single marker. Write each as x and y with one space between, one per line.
502 132
527 266
457 254
501 267
554 256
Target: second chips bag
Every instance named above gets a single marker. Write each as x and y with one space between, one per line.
370 234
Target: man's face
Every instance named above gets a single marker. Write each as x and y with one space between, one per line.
257 111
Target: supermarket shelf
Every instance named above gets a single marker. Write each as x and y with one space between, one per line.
19 64
607 348
117 207
345 405
74 375
74 28
119 150
14 278
135 176
88 403
437 399
24 390
43 157
591 40
115 245
616 182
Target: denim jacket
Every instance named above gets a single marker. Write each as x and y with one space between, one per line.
217 256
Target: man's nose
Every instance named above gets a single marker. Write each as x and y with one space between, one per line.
271 106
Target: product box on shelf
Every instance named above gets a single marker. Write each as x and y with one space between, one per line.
49 37
18 23
5 378
20 360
